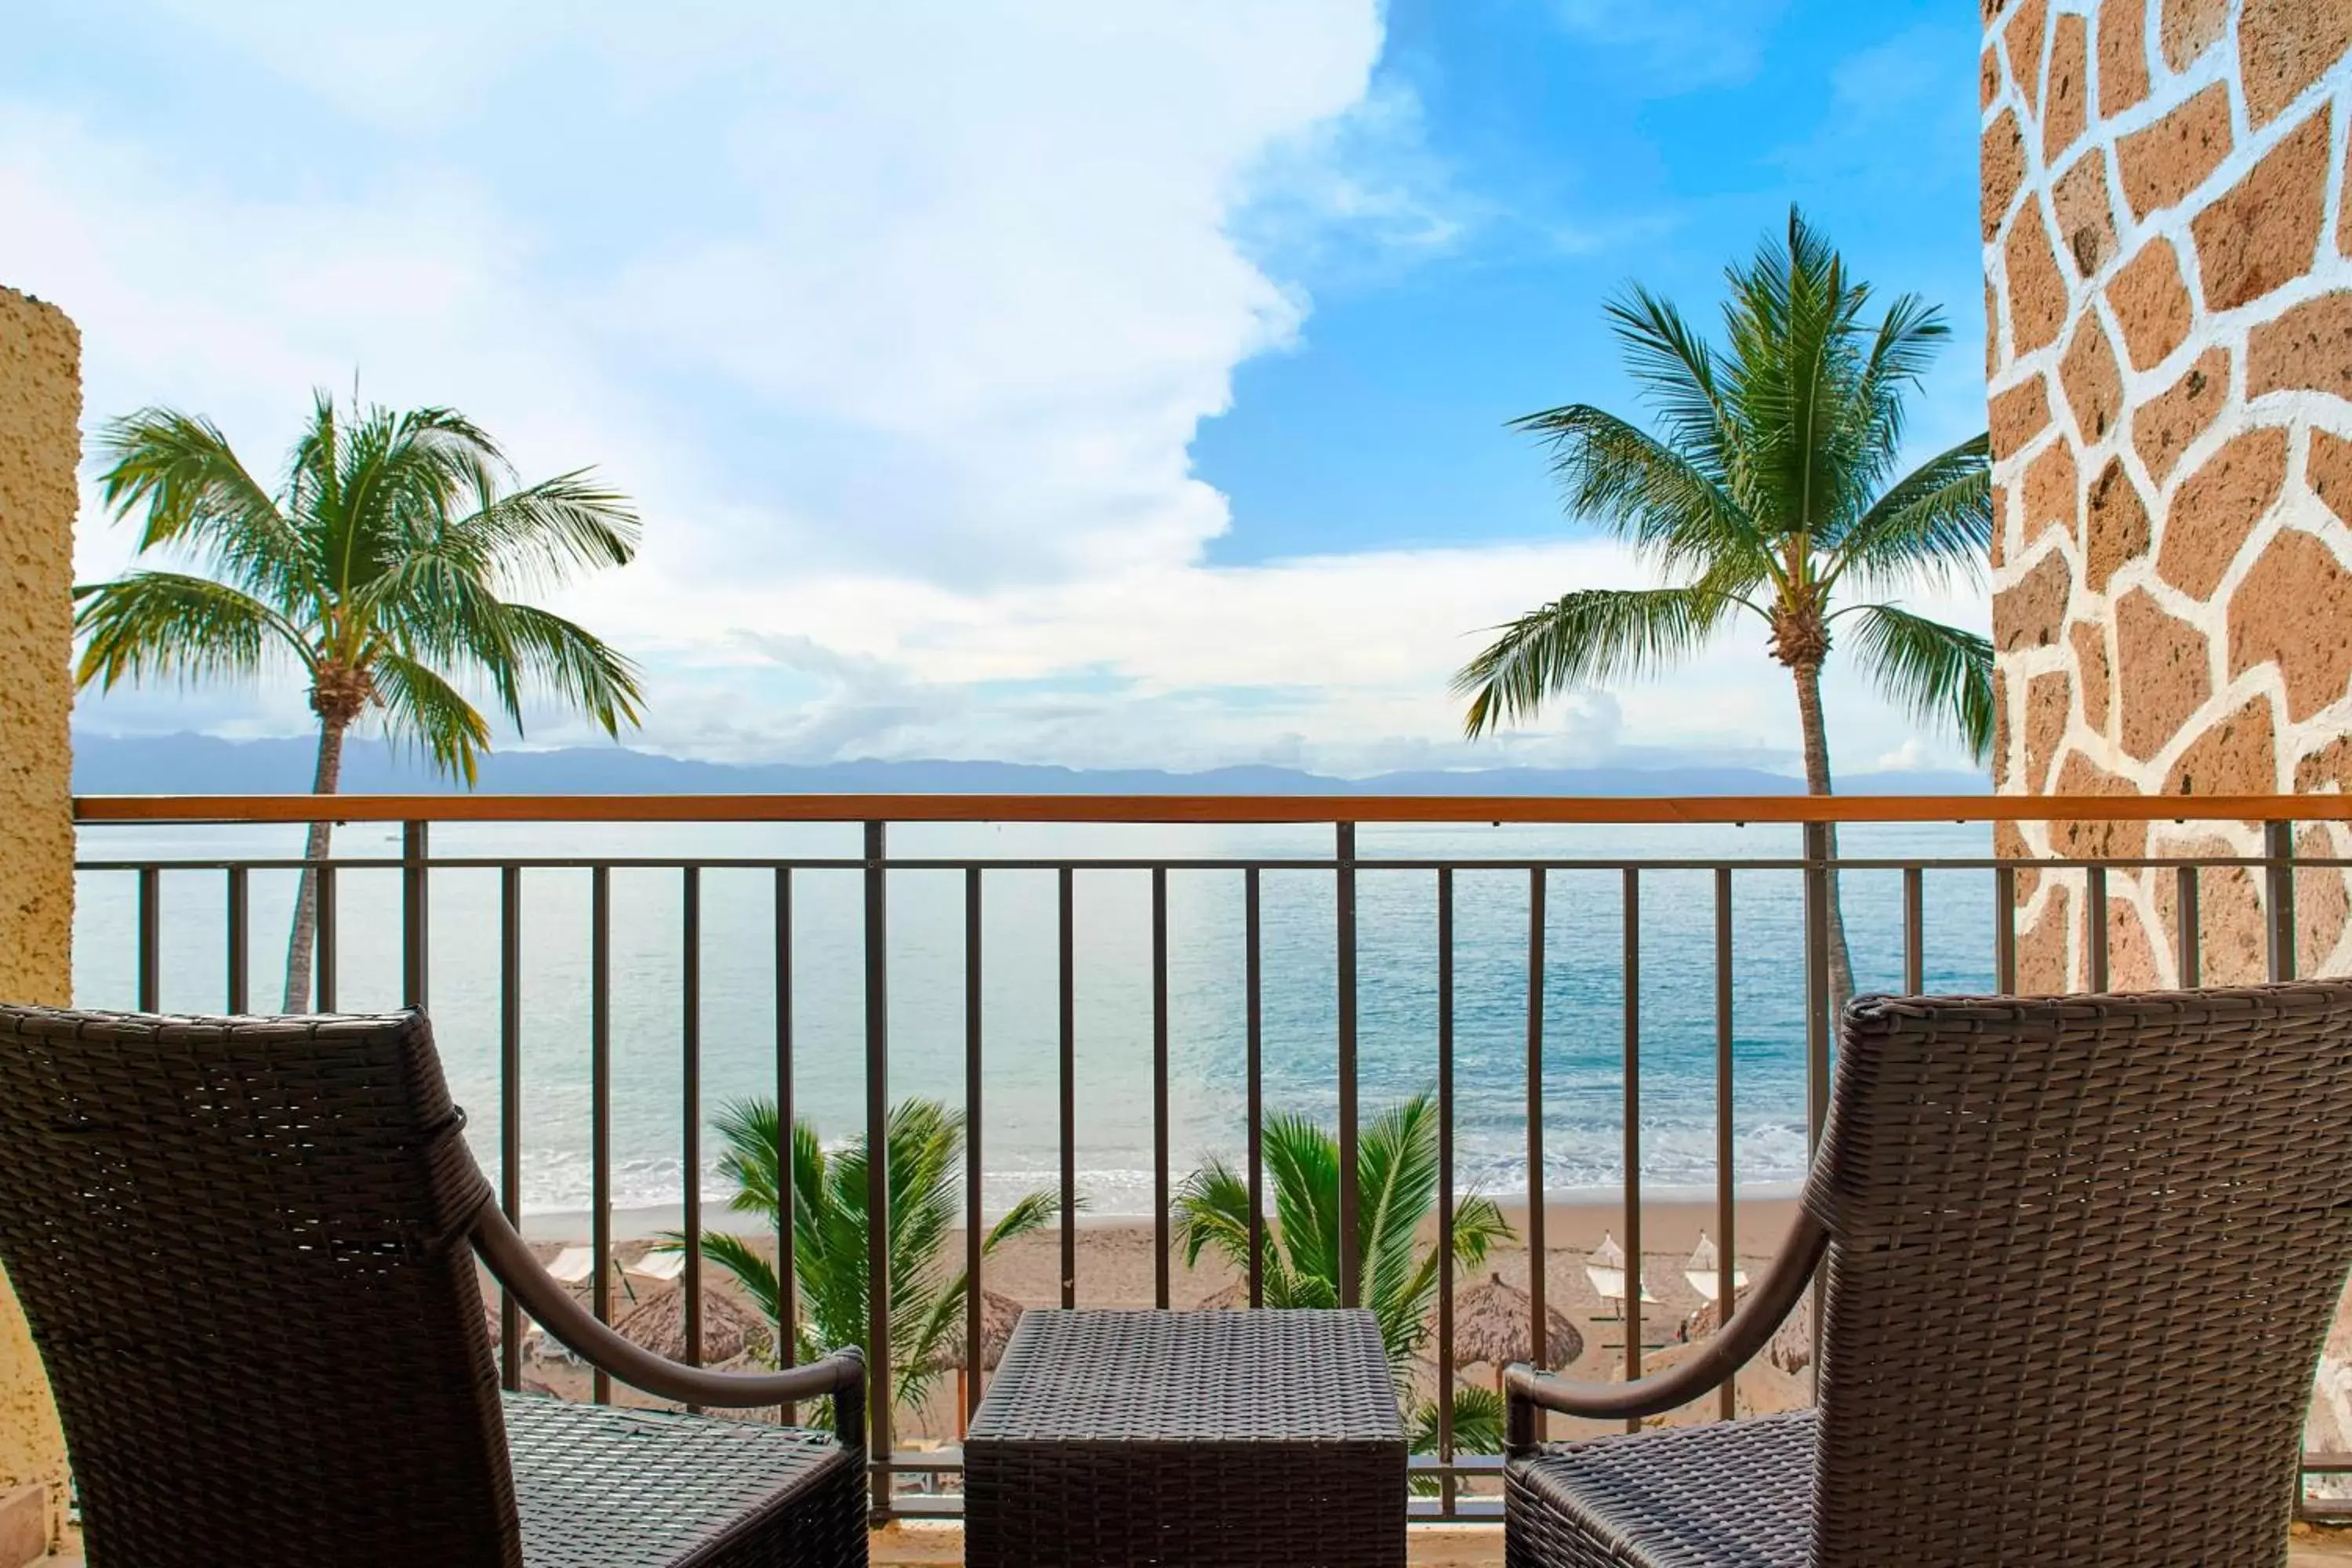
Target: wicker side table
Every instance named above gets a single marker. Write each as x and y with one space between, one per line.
1204 1439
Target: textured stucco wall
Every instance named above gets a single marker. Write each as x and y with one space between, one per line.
41 415
2168 234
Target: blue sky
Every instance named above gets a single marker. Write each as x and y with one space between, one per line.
1049 381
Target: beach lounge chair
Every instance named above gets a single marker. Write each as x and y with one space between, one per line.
1705 1270
246 1248
572 1265
659 1265
2079 1257
1605 1267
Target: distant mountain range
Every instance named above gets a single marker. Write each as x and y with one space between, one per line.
205 764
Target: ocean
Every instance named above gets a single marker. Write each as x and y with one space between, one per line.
1583 986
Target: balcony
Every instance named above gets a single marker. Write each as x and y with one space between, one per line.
1615 1015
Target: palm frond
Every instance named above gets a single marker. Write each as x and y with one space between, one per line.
1941 674
750 1268
170 625
401 477
1932 525
1211 1212
1478 1228
1032 1213
1793 360
1302 1165
1680 516
1909 336
1592 637
196 494
752 1137
1682 378
1396 1156
581 669
424 710
924 1150
1477 1423
540 534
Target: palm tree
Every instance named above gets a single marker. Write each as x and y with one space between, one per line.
923 1143
379 566
1397 1166
1769 487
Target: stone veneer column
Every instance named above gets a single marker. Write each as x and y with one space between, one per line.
2167 231
40 412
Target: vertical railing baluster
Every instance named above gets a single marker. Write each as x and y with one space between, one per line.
1447 1492
2278 869
1253 1070
1817 979
1350 1244
1633 967
151 943
239 927
689 1029
1066 1073
877 1161
2187 921
788 1315
1818 872
323 943
2004 930
415 919
600 1105
511 1105
2095 928
973 1174
1726 1208
1914 930
1160 1239
1535 1247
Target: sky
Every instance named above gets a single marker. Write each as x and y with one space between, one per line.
1036 380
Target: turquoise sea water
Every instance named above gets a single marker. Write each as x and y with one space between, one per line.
1583 991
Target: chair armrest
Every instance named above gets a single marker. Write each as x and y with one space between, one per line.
1732 1348
841 1373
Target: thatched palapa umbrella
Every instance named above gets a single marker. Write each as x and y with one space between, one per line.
998 1315
1493 1323
729 1330
1790 1347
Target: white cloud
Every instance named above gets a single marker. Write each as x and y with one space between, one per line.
897 320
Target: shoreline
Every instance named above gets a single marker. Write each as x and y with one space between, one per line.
643 1223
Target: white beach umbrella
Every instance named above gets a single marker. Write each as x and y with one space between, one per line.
1705 1270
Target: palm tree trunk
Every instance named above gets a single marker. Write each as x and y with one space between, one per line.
1817 781
302 943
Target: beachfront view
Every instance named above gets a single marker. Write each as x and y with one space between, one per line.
1380 740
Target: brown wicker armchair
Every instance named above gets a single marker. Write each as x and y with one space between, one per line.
2082 1254
245 1248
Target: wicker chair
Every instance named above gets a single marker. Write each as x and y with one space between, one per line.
243 1246
2081 1253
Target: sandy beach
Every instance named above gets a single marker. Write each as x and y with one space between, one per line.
1115 1268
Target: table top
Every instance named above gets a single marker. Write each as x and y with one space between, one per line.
1198 1376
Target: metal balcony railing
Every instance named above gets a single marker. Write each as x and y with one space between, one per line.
2271 876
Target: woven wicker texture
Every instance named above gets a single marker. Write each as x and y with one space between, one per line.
242 1246
1731 1494
2084 1254
1198 1438
601 1488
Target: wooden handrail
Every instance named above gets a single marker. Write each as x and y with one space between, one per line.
1209 808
